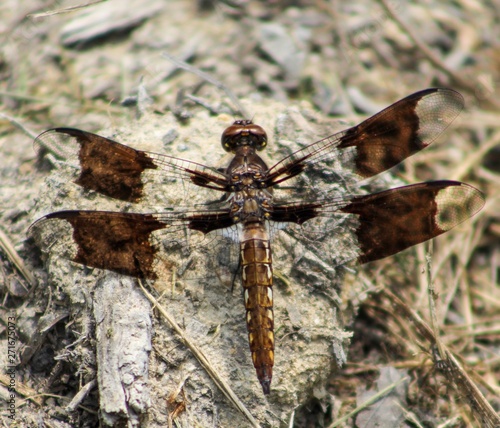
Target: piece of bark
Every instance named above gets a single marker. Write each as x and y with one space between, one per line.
123 341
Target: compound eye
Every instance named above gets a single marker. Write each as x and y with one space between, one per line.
260 136
228 136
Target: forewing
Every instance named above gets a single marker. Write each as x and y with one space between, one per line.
119 171
375 145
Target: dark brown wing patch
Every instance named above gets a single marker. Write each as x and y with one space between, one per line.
115 241
402 129
207 222
294 213
396 219
106 166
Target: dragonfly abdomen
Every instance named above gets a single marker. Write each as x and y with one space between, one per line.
257 278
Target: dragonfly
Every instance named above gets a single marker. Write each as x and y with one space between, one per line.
256 202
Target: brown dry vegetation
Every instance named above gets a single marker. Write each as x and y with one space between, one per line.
90 68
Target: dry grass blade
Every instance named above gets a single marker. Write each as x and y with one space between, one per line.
64 10
474 159
432 303
11 253
454 373
212 372
18 124
368 403
22 390
469 84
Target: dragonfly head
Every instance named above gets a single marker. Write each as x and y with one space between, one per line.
243 133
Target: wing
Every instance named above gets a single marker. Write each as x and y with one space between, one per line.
119 171
374 226
136 244
378 143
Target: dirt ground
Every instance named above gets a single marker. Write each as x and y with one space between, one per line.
303 70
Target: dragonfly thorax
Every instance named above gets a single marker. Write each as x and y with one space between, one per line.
250 205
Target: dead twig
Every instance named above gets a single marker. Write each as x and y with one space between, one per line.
80 396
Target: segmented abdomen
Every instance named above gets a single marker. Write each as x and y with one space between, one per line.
257 276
